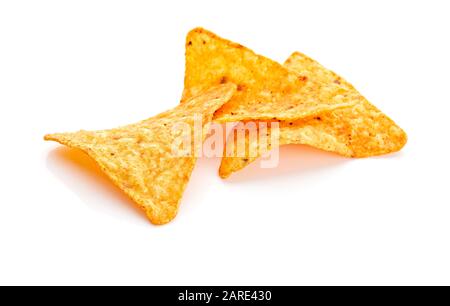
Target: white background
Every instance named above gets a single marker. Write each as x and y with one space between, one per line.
317 219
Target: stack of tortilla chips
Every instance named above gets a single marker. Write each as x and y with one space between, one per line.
227 82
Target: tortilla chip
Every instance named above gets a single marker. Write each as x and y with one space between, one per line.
266 89
358 131
138 158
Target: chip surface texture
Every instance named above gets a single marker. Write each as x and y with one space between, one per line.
265 89
138 158
357 131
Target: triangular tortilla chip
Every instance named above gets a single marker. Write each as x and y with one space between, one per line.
138 158
266 89
359 131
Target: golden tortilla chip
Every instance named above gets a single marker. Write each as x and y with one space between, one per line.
358 131
138 158
266 89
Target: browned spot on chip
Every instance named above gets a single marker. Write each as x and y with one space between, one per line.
241 87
